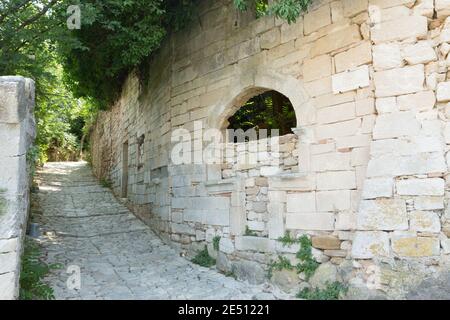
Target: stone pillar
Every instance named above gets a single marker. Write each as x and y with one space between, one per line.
17 133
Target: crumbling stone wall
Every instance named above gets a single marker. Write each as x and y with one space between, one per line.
17 132
369 84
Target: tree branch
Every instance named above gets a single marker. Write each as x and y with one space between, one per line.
13 9
38 15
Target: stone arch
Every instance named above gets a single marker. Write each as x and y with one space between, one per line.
242 90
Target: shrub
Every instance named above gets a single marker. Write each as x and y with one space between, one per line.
204 259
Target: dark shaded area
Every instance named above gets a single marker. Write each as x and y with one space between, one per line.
269 110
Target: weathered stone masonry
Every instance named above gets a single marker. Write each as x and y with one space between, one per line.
369 82
17 131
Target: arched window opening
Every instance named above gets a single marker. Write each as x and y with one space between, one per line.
269 110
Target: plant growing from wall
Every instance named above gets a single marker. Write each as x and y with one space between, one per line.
288 10
332 291
106 183
215 242
249 233
32 285
204 259
307 264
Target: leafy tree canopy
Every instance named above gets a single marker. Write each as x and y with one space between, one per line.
91 63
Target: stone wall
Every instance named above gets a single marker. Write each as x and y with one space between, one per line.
17 132
369 84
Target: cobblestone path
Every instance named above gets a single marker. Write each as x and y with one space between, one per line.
82 224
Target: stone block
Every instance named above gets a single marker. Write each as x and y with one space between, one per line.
306 183
399 81
316 68
442 8
339 180
301 202
270 39
337 113
365 107
9 262
378 188
351 80
226 245
421 101
356 141
314 20
421 52
13 105
346 220
421 187
333 201
257 244
409 245
182 229
360 156
318 87
354 7
391 165
383 215
370 244
424 221
387 56
310 221
8 289
354 57
336 40
331 162
218 218
340 129
396 124
256 225
383 4
428 203
9 245
326 242
400 29
443 92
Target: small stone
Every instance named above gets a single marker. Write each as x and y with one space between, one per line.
326 273
326 242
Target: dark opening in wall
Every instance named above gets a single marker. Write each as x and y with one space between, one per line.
269 110
140 152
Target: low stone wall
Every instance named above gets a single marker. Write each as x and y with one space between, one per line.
369 83
17 132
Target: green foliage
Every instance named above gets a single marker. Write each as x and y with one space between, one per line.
216 241
307 264
33 33
287 240
32 286
270 110
230 274
288 10
249 233
282 264
204 259
332 292
106 183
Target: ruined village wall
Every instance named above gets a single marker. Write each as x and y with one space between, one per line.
368 80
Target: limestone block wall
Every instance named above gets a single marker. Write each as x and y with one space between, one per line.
17 132
367 177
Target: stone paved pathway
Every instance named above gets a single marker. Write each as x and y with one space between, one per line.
119 256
